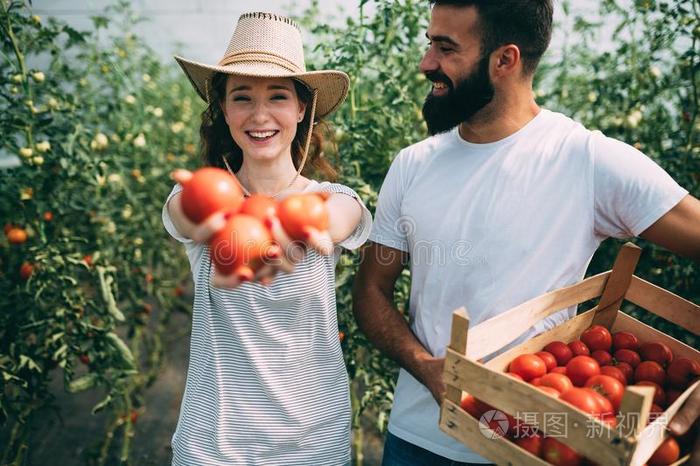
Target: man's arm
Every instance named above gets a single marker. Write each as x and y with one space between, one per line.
378 318
678 230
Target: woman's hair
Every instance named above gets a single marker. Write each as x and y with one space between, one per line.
216 141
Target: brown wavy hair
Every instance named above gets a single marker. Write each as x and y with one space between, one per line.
216 141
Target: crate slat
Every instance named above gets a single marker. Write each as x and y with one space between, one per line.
511 396
513 323
664 304
465 428
617 285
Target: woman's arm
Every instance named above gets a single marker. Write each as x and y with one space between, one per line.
344 214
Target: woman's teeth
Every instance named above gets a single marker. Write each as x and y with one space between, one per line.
439 85
260 135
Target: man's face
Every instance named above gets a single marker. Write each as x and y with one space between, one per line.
453 62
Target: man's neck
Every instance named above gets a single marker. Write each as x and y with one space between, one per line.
502 117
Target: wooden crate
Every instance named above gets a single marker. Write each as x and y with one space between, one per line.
488 382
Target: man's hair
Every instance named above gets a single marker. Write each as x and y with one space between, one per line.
525 23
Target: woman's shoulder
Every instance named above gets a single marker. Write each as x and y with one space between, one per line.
329 186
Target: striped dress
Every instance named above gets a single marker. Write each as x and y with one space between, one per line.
266 383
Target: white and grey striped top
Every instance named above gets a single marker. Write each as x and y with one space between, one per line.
266 383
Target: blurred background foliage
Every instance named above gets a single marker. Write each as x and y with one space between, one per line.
89 279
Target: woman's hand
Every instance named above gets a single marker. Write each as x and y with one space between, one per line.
201 232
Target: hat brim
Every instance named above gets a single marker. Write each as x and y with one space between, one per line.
332 86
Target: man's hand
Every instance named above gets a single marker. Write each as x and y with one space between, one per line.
684 420
431 377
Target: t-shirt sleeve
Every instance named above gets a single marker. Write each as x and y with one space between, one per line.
168 221
389 224
358 237
631 190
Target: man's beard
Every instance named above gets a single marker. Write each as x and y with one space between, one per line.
442 113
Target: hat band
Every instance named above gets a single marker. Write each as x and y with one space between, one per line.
266 57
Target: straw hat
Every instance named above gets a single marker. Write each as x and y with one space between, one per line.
268 45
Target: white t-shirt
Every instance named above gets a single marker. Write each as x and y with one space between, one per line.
266 382
489 226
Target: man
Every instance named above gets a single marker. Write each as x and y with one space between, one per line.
504 202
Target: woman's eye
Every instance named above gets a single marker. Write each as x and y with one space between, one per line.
446 49
241 98
279 97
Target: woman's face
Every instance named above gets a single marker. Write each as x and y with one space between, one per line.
262 115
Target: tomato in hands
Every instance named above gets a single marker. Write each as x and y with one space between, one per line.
241 246
301 214
207 191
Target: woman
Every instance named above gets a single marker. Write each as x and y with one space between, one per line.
266 382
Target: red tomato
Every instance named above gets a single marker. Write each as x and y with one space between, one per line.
615 372
531 443
597 338
656 412
134 416
210 190
26 270
301 213
651 371
579 348
16 235
627 370
259 206
548 358
626 355
681 371
625 340
667 453
514 375
656 352
559 382
472 406
536 381
528 366
610 387
585 399
671 395
581 368
85 359
606 406
241 246
561 352
48 216
558 454
603 357
559 370
659 394
550 391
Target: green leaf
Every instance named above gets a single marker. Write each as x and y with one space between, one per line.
124 352
83 383
107 296
102 404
